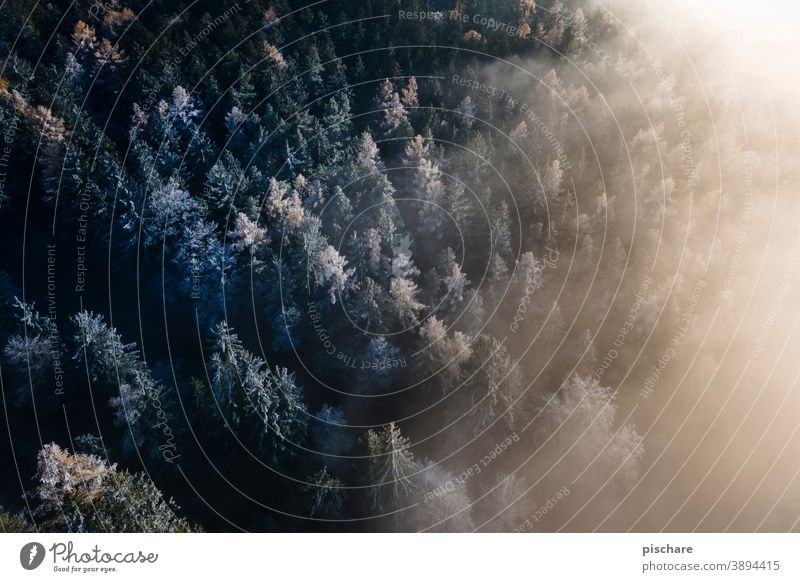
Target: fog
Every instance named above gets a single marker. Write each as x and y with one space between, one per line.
689 125
493 266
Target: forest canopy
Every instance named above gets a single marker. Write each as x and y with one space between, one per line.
424 265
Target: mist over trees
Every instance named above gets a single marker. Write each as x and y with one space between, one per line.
375 266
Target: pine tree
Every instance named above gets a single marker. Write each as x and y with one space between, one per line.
326 267
454 286
324 495
204 268
501 230
83 493
427 187
263 403
329 433
392 468
394 114
13 523
381 356
579 424
140 404
466 113
494 387
247 236
444 504
224 182
170 207
35 348
409 96
445 355
403 293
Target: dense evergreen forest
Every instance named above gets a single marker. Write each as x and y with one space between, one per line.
385 265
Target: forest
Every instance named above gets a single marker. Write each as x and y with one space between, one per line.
391 265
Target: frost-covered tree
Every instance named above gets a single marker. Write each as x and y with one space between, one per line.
35 349
326 267
284 206
368 159
583 437
332 271
14 523
391 468
169 208
324 495
493 388
262 402
329 433
444 504
445 354
453 285
224 181
337 215
426 186
274 57
409 97
140 403
247 236
170 137
506 507
402 261
501 230
83 493
466 113
520 133
382 361
553 178
370 304
394 113
403 292
336 131
459 208
372 243
203 267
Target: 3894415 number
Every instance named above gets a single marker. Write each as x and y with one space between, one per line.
767 565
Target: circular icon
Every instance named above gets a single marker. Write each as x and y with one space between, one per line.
31 555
